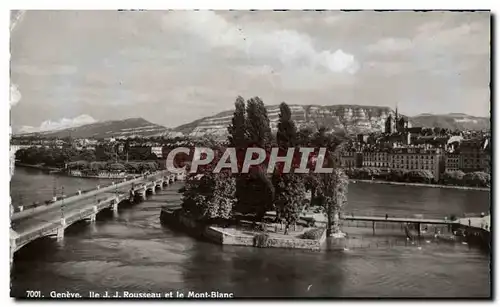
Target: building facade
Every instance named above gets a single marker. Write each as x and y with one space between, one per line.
158 151
473 156
379 159
418 159
453 162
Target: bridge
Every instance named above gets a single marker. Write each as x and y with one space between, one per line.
478 223
51 220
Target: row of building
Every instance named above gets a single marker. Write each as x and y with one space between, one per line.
470 156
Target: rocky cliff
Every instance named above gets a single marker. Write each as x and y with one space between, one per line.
350 118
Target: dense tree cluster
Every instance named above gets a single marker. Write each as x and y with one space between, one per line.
84 160
209 196
53 157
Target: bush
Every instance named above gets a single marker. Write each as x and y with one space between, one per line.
261 240
313 234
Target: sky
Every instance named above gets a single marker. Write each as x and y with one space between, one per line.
70 68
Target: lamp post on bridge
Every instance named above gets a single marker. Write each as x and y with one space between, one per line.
54 188
62 204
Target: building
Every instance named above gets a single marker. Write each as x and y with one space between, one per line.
390 125
375 158
348 159
453 162
158 151
418 159
473 156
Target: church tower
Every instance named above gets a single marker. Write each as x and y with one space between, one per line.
389 124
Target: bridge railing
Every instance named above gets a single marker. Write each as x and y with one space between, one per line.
399 215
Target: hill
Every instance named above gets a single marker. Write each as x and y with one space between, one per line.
349 118
452 121
106 129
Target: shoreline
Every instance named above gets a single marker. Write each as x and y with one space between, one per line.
62 173
37 166
425 185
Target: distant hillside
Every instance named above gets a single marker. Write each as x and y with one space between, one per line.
452 121
349 118
116 128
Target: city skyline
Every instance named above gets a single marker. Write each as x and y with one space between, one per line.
433 62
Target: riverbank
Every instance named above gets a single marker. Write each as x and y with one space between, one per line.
38 166
426 185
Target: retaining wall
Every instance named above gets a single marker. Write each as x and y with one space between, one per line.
224 236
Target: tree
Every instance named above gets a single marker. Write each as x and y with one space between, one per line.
477 179
453 177
116 167
398 175
423 176
289 187
237 130
332 190
286 135
254 191
210 196
304 136
289 197
257 123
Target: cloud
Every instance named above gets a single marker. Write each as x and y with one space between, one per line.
63 123
467 38
15 94
391 45
288 47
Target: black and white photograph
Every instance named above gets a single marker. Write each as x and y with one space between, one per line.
236 154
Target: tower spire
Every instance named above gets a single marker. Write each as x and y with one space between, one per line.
396 111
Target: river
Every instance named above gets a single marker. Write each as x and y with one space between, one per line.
133 252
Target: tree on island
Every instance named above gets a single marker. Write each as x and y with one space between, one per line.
331 188
332 191
207 196
237 130
254 191
289 187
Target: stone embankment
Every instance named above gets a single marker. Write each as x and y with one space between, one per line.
235 236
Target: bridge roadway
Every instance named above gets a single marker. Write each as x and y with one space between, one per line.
53 219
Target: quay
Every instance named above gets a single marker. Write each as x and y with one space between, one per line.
51 220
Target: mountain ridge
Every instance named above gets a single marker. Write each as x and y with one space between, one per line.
349 118
106 129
